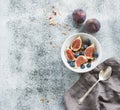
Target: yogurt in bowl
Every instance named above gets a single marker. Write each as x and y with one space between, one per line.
81 52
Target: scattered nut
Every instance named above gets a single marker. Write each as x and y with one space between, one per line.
42 100
64 33
52 23
50 18
54 12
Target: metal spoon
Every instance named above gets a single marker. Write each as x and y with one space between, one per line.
103 75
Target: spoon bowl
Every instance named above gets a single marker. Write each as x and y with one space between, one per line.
105 73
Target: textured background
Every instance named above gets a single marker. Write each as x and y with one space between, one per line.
32 75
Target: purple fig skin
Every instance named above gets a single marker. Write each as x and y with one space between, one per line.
79 16
92 25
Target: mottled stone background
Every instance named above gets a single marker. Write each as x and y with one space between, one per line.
32 75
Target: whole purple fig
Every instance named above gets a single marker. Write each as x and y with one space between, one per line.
92 25
79 16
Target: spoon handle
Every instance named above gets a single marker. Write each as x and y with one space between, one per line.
86 94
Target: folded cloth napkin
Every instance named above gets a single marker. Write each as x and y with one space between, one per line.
106 94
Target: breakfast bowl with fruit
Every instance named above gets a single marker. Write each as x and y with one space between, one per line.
81 52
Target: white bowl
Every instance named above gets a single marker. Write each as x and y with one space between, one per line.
84 36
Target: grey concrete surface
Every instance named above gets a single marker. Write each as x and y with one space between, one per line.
32 75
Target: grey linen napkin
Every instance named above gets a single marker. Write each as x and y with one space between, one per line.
106 94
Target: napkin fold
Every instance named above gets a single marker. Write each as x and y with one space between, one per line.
106 94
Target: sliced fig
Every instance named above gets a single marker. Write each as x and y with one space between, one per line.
89 51
80 60
76 44
70 54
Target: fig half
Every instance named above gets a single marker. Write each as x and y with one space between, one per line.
76 44
70 54
80 60
89 51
